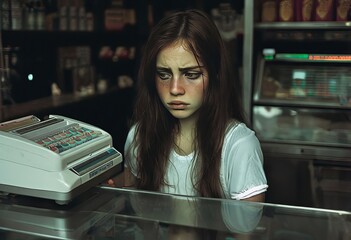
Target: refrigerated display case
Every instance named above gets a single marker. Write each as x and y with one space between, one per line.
298 76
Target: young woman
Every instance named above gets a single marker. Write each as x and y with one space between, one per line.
189 135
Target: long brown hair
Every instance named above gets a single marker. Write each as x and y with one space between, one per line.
156 127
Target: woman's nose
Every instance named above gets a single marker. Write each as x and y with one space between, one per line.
177 86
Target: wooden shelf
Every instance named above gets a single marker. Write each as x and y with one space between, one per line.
303 25
128 35
32 107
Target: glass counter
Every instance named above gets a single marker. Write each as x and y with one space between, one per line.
303 98
113 213
325 127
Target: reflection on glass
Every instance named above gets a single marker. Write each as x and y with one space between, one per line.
265 120
240 219
193 218
301 124
298 82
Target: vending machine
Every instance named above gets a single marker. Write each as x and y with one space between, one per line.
297 84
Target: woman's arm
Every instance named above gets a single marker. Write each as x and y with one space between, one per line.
243 161
257 198
129 179
124 179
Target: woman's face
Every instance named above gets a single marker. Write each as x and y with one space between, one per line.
180 81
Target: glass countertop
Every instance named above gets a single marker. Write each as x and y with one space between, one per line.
113 213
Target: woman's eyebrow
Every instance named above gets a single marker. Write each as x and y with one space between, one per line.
163 69
180 69
190 68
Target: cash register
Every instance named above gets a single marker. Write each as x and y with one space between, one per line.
57 158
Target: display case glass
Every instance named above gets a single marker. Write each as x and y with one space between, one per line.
312 126
303 98
111 213
306 79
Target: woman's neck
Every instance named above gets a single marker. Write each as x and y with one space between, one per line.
185 139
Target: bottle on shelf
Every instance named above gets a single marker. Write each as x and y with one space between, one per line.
5 19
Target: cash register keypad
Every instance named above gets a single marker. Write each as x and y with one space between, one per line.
69 138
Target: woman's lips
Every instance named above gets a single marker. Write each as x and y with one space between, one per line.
178 105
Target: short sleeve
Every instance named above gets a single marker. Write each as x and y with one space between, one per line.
130 151
244 176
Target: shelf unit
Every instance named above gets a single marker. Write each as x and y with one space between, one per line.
37 52
296 79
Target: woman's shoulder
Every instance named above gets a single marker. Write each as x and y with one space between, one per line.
241 143
132 130
238 130
239 135
130 135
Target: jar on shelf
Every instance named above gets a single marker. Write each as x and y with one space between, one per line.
304 10
269 11
324 10
286 11
343 10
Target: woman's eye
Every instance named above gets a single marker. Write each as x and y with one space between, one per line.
193 75
163 75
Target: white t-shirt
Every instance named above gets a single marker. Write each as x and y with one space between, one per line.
241 170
